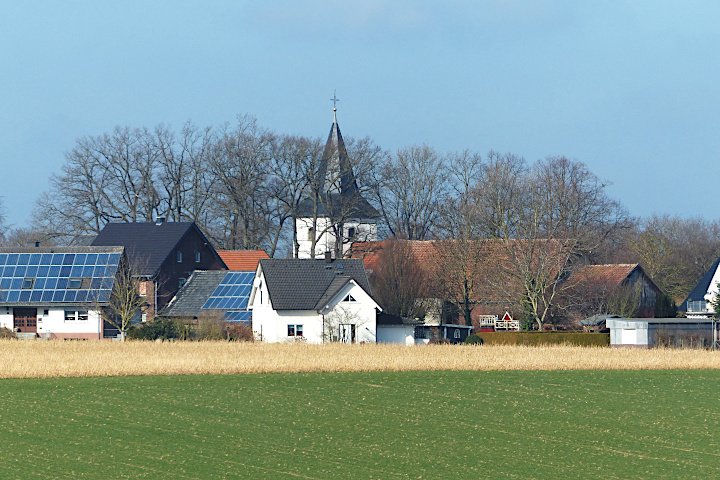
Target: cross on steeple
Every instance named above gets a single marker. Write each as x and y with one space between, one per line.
334 99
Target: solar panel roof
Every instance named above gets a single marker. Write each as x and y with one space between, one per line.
57 275
232 293
239 317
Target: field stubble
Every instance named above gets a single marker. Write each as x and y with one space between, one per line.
27 359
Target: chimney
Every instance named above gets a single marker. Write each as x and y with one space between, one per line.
328 258
159 221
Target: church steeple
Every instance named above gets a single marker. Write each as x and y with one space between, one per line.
335 213
336 169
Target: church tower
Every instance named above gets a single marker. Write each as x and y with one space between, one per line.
336 214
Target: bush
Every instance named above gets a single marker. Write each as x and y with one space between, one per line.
210 327
239 332
547 338
473 339
7 333
159 328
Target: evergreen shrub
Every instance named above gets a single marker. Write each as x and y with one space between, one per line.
546 338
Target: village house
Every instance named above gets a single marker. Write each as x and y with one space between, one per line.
699 303
162 256
57 292
313 300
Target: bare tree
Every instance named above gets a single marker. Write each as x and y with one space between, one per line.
545 218
398 280
240 165
294 162
184 172
412 186
126 305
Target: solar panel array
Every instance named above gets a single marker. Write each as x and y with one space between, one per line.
232 293
240 317
55 277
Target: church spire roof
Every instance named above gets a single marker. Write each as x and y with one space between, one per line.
336 166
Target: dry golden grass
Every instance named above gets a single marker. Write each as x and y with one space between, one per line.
20 359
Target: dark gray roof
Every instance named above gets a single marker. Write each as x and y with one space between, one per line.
301 284
192 296
335 286
388 319
334 206
698 293
147 244
82 240
340 197
597 319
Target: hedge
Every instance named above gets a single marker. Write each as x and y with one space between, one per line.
543 338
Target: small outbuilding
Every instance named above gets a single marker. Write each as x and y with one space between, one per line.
654 332
396 329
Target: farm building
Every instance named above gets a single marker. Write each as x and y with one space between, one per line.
219 294
57 292
313 300
649 332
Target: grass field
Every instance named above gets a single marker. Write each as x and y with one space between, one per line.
380 425
66 359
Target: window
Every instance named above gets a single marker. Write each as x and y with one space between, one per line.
179 256
77 283
351 233
457 333
28 283
76 315
311 234
295 330
197 256
347 333
181 282
349 298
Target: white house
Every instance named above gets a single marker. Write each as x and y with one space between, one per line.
699 303
316 301
57 292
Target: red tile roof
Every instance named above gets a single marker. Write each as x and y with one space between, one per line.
243 260
611 275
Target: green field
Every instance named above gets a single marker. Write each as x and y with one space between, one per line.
432 425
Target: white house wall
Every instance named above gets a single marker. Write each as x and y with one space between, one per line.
402 334
365 231
54 324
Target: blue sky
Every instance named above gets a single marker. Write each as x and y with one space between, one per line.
630 88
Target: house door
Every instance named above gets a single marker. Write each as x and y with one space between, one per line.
347 332
25 319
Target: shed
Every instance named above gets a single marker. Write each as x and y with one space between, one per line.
396 329
650 332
